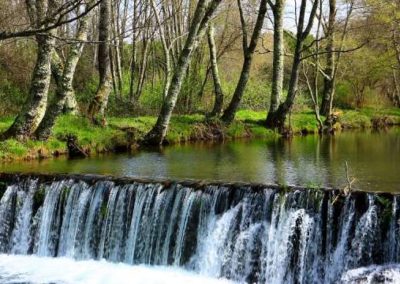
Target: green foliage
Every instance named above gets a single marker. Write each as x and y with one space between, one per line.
256 96
11 97
86 92
343 95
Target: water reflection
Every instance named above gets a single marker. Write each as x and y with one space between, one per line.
373 158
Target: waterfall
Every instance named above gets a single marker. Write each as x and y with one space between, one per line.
243 233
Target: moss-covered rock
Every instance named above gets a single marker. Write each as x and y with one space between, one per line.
38 197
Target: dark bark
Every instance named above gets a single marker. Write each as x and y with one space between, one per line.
248 51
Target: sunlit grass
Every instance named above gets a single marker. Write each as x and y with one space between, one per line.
128 130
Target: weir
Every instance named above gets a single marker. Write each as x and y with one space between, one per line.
243 232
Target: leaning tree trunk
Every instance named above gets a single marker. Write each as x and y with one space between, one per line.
329 80
28 120
219 95
98 105
197 29
64 79
230 111
278 59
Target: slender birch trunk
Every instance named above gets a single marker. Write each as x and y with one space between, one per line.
329 80
166 49
64 76
219 96
98 105
278 58
248 50
133 59
197 29
143 69
277 118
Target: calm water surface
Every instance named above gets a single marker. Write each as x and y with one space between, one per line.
373 159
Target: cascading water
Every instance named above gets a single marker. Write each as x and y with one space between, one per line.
242 233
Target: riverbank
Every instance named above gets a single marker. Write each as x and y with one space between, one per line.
122 134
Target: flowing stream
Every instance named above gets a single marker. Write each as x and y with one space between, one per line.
201 233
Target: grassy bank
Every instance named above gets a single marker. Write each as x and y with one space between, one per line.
123 133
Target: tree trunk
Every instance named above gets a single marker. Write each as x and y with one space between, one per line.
71 105
230 111
166 49
197 29
98 106
396 92
133 59
28 120
65 95
143 67
219 95
329 82
278 59
277 118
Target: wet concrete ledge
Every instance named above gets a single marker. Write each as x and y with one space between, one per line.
191 183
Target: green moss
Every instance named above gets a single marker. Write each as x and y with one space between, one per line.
386 214
313 186
103 211
39 196
65 193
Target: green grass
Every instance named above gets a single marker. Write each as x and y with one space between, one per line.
304 122
362 118
126 131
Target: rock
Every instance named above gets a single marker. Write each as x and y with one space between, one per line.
389 273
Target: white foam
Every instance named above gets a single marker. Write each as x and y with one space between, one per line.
370 274
33 269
